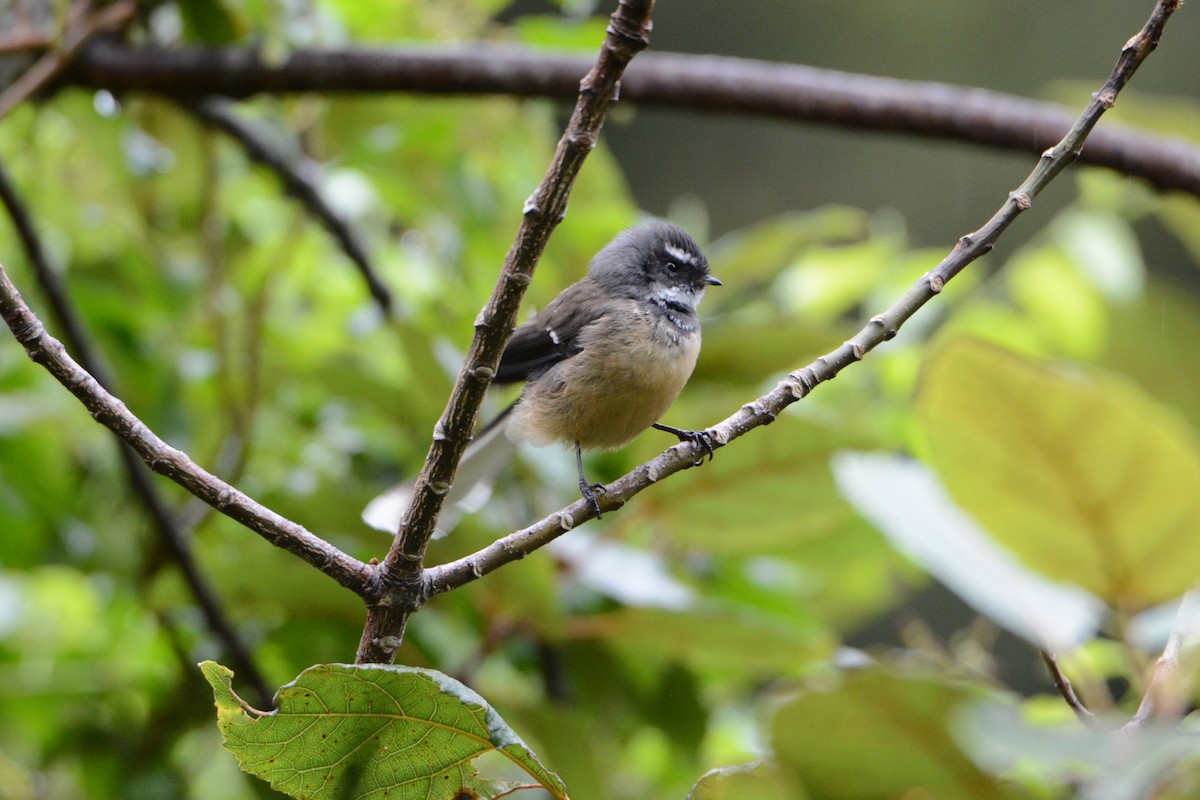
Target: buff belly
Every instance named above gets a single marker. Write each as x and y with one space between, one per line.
604 402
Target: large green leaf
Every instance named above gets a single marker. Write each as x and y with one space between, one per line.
1079 473
878 735
346 732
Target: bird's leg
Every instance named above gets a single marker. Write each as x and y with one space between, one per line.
587 489
700 438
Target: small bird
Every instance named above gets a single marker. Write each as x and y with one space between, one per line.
602 363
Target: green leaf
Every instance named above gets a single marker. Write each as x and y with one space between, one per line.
744 348
721 641
560 33
1059 302
1105 249
759 781
371 731
827 282
878 735
1080 474
208 21
757 254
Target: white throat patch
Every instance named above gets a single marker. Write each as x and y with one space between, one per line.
681 295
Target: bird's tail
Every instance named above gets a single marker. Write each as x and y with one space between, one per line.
489 453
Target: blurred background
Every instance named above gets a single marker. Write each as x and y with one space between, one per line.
762 605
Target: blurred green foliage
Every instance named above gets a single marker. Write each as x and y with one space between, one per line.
239 332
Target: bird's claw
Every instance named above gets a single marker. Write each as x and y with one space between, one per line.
700 438
589 493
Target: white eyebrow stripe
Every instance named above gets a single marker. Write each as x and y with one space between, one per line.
682 255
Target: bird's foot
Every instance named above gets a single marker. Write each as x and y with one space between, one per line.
589 490
699 438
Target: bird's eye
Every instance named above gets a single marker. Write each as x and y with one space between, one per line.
672 266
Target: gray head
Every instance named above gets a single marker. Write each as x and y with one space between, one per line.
654 261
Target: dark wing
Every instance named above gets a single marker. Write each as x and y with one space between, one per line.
531 351
552 336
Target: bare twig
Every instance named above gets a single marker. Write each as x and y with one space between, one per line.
54 62
702 83
628 32
47 277
1063 684
299 175
170 532
44 349
1164 695
798 384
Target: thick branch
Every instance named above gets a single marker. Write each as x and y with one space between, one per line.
702 83
628 32
801 382
166 460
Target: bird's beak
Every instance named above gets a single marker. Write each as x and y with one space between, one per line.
712 280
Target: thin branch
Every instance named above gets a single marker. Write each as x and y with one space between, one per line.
170 532
54 62
700 83
1064 687
299 175
798 384
402 569
48 280
1163 694
44 349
